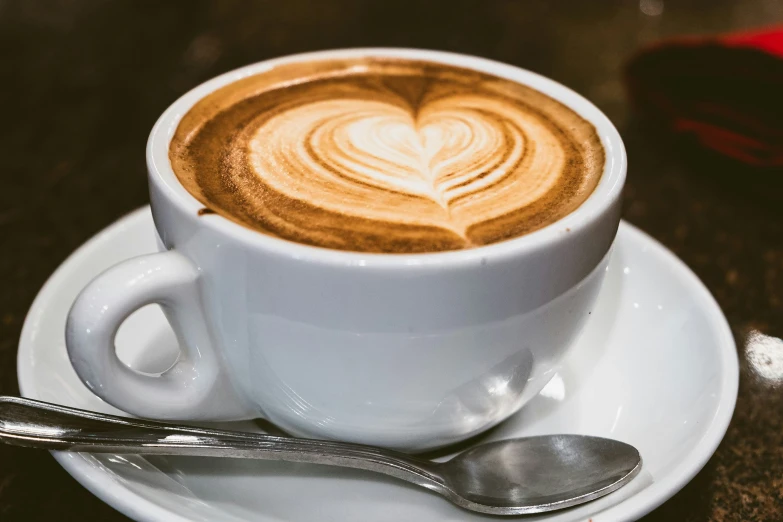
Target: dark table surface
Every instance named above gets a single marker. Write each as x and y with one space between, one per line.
83 82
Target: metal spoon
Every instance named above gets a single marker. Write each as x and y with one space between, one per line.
509 477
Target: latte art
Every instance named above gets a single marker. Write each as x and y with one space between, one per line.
386 156
343 153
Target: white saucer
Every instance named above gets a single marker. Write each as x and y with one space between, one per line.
656 367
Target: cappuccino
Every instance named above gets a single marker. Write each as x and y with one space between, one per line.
386 155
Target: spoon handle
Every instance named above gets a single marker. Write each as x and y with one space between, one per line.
27 422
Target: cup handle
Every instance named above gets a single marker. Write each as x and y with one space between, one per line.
196 387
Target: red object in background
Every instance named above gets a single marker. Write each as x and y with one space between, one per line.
724 93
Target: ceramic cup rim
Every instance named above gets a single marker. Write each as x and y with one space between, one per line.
602 199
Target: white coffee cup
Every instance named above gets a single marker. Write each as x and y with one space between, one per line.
411 351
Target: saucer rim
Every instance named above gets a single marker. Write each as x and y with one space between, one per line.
137 507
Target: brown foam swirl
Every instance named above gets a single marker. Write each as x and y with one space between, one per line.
386 155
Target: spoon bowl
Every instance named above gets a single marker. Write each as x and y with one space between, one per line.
536 474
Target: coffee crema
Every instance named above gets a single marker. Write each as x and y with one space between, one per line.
386 155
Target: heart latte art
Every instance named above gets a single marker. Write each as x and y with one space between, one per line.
386 156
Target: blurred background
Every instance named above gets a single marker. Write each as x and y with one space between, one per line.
84 81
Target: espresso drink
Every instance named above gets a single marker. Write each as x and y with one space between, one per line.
386 155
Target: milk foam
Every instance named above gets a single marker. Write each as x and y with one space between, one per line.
392 156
